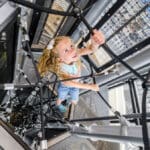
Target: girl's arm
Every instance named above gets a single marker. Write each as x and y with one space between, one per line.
97 39
93 87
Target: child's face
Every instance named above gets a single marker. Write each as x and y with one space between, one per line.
67 51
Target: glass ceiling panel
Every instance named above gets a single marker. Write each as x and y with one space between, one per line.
135 32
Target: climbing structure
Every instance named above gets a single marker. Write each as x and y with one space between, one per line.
29 104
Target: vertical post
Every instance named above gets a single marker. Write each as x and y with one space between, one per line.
136 101
144 116
132 99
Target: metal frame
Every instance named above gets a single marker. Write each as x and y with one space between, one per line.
128 133
108 50
41 90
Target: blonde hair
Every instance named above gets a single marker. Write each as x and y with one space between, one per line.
49 60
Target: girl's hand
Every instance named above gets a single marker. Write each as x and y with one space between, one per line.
94 87
97 38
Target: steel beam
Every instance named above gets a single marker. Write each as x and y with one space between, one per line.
119 134
128 116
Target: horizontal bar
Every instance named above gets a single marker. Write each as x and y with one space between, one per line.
129 134
11 86
139 115
111 138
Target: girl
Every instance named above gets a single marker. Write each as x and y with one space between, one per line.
64 60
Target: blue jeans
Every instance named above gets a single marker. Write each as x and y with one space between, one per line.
64 92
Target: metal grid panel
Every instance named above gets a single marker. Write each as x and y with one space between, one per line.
131 33
122 15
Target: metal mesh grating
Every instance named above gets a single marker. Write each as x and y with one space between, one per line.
133 21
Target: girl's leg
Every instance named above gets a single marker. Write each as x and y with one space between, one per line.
74 93
74 102
62 93
58 101
61 107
